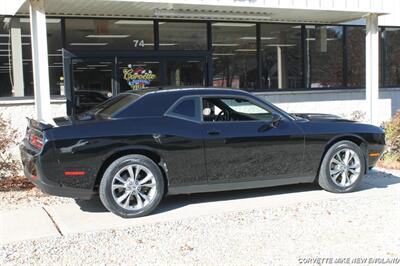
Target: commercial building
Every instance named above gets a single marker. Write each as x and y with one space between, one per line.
330 56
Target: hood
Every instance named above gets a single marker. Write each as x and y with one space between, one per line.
322 117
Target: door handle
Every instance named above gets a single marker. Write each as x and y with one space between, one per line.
213 132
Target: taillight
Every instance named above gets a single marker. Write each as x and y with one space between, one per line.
36 141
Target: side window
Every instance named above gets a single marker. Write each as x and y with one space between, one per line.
232 109
186 108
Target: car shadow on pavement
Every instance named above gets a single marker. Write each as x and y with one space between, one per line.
376 179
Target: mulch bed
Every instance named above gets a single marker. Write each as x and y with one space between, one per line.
392 165
15 184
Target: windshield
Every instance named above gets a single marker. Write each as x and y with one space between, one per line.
114 105
276 107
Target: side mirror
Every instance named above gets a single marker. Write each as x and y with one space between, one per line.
273 123
276 119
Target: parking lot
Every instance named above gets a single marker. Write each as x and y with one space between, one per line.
281 225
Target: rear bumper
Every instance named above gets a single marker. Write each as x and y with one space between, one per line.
33 171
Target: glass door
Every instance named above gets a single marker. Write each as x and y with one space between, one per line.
91 78
92 83
135 74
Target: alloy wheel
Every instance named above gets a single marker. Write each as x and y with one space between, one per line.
345 167
134 187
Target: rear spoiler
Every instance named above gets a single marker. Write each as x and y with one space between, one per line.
39 126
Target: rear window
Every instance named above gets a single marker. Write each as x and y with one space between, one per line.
187 108
113 106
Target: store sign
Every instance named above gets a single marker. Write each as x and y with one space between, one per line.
138 78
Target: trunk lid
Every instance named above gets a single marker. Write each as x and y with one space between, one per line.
35 133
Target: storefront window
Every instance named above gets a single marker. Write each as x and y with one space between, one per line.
54 47
355 45
392 56
182 73
182 36
54 42
109 34
324 56
286 60
281 56
5 60
234 55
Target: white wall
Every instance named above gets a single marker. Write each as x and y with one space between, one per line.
340 102
346 103
16 112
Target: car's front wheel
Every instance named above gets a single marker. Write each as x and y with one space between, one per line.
342 167
132 186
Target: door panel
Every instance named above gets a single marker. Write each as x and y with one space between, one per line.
238 151
184 152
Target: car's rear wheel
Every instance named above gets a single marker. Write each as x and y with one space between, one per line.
342 168
132 186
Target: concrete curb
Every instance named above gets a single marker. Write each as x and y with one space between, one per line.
25 224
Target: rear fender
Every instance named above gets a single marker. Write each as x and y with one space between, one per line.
153 154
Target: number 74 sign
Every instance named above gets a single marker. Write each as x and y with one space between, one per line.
138 43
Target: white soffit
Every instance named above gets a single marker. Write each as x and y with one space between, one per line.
296 11
10 7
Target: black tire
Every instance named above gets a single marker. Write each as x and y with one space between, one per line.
106 194
325 181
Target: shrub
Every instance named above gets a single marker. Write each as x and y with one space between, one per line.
392 129
9 167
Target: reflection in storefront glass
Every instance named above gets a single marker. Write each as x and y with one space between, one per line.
185 73
281 56
234 55
324 56
92 83
183 35
109 34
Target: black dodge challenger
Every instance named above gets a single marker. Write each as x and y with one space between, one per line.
134 149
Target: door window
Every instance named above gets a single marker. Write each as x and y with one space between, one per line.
233 109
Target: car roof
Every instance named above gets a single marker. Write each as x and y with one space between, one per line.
183 91
157 101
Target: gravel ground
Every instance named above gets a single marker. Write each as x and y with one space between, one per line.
11 200
359 227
